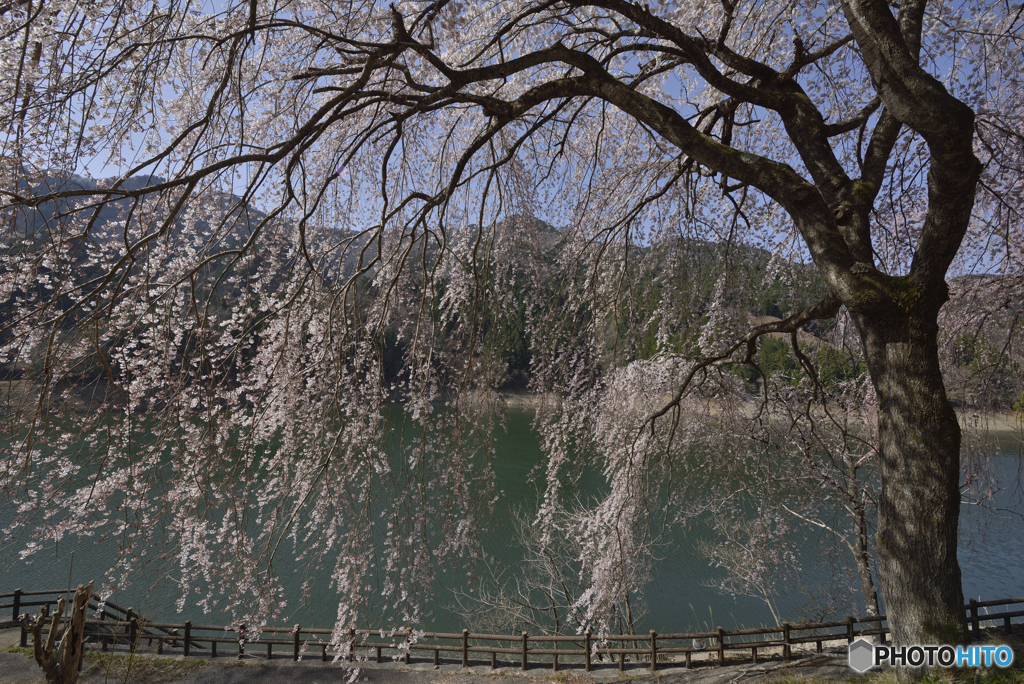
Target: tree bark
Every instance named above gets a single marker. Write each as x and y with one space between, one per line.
919 449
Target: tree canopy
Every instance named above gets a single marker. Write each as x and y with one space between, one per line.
320 208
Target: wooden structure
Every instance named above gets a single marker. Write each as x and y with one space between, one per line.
115 626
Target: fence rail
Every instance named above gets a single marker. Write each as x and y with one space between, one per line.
116 626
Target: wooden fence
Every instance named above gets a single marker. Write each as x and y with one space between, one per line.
116 626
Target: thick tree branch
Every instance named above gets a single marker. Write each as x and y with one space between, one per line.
854 122
696 51
918 100
886 132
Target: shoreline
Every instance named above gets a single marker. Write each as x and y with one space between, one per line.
17 396
1001 422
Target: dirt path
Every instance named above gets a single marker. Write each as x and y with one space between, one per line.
16 668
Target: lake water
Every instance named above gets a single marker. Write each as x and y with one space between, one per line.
991 557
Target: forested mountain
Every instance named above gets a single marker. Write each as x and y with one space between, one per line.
669 290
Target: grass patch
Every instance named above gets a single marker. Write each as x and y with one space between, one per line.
129 669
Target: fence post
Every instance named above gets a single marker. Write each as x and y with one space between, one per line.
554 657
721 647
351 644
465 648
525 637
654 651
586 647
295 644
241 640
17 616
188 638
786 652
133 630
975 622
133 635
849 628
103 616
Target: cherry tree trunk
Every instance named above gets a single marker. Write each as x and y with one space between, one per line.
919 440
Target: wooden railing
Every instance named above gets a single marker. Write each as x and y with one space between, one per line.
109 615
119 626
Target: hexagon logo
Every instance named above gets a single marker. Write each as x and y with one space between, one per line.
862 655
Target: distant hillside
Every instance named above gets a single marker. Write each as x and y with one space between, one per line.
527 266
45 218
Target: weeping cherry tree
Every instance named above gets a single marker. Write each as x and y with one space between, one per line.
236 234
